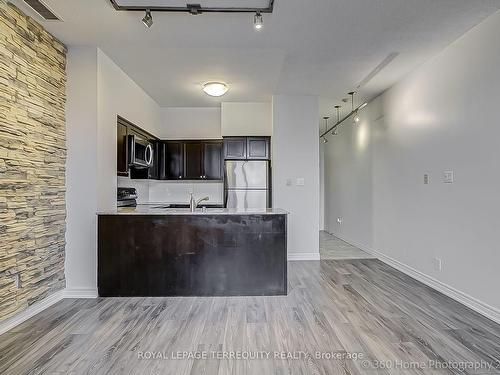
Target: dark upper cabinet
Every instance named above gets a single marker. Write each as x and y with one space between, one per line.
172 167
154 170
212 160
123 131
242 148
235 148
258 148
193 160
122 149
190 160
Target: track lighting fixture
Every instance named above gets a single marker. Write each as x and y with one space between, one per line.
351 94
258 21
337 107
325 140
148 19
355 117
335 132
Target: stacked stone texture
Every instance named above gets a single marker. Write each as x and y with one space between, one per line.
32 161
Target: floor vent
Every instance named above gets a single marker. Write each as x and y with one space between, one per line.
42 10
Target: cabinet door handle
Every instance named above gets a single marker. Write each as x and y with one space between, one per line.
180 177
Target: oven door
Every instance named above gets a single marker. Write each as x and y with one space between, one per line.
141 152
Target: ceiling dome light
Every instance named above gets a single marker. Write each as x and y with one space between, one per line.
215 88
148 19
258 21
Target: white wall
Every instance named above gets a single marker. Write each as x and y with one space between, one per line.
81 167
250 119
296 156
444 116
347 179
190 123
321 185
117 94
97 92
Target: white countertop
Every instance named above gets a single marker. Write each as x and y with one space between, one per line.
155 210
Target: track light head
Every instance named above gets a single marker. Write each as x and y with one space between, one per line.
148 19
258 21
325 140
355 118
335 132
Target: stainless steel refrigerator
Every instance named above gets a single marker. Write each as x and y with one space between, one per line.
247 184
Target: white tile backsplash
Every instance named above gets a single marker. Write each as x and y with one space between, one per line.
214 190
180 191
153 191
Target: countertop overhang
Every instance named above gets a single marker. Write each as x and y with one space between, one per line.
152 210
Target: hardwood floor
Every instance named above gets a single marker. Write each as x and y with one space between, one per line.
331 247
348 306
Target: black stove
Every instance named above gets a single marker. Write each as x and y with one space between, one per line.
126 197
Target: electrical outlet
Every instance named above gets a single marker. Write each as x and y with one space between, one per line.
426 179
17 280
339 220
300 181
438 264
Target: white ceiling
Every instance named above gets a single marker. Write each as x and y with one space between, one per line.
320 47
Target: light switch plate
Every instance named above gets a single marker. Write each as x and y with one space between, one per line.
300 182
448 177
426 179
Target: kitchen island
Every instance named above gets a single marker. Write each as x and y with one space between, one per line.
147 251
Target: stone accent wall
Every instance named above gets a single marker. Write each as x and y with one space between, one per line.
32 161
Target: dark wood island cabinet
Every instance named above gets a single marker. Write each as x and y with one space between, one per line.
222 253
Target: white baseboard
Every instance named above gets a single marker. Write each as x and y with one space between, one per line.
38 307
478 306
31 311
80 293
303 256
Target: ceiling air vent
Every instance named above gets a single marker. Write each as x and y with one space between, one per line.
42 10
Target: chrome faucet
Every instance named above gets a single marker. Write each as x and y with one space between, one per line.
193 204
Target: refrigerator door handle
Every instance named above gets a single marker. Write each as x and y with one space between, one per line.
226 195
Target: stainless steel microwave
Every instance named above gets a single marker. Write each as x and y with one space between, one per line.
140 151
